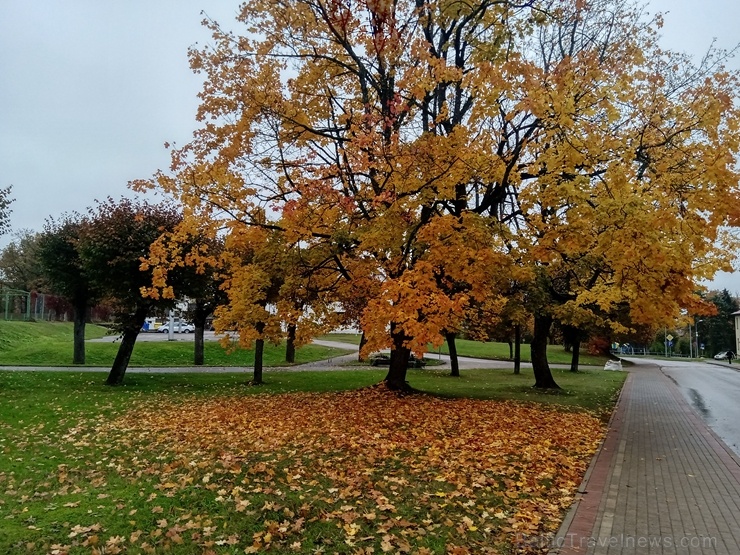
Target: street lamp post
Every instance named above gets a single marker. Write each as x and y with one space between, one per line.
698 353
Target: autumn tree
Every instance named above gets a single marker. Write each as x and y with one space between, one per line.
113 242
209 296
275 292
258 286
307 296
195 261
625 161
252 283
356 124
63 271
248 270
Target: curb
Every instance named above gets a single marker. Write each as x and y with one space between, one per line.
608 449
735 367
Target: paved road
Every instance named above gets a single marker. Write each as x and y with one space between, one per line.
713 390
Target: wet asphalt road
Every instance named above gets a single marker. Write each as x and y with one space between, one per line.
713 391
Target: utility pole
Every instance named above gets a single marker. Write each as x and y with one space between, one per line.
698 345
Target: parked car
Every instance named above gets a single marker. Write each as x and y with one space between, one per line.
383 359
184 328
721 356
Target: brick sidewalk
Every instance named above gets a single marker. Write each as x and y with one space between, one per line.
662 483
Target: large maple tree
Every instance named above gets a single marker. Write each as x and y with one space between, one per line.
351 122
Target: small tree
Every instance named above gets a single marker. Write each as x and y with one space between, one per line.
113 242
20 267
64 273
253 284
719 331
196 260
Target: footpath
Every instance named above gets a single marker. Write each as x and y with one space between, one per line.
339 362
662 482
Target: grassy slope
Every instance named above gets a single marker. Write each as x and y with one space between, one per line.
488 350
13 334
50 344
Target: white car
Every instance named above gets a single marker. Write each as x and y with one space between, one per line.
184 328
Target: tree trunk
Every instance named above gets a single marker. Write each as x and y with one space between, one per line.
80 315
290 344
199 349
543 376
120 364
259 349
454 364
396 377
576 353
199 321
363 341
517 349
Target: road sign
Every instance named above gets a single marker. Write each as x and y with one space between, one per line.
669 337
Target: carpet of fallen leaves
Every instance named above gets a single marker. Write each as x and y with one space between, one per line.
357 473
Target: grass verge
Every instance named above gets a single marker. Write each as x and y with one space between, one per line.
488 350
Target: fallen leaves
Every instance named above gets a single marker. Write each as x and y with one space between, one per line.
357 472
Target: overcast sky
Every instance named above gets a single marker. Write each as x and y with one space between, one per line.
91 90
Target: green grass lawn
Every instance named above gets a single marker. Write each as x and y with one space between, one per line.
589 389
488 350
185 463
353 338
50 344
